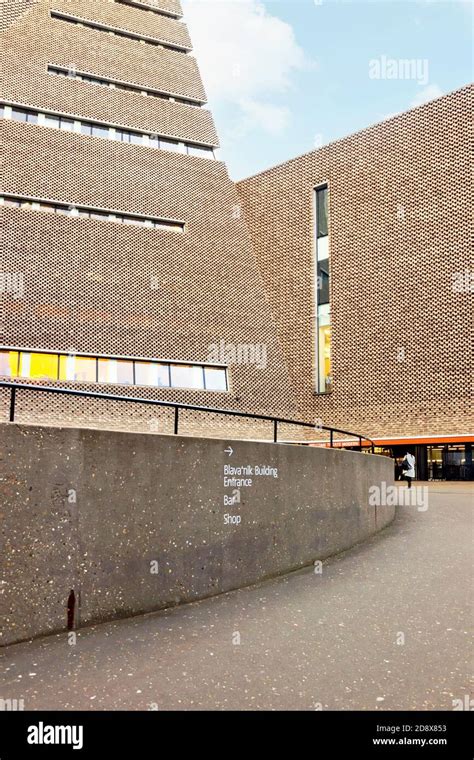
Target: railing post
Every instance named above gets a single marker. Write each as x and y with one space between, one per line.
176 412
331 433
12 404
373 448
275 430
360 443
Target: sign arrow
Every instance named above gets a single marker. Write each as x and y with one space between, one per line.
229 451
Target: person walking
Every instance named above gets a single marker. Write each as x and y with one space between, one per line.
408 468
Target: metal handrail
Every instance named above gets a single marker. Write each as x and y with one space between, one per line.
177 406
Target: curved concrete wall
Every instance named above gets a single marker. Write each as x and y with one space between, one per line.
136 522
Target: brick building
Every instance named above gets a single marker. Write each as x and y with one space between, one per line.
127 266
364 246
334 288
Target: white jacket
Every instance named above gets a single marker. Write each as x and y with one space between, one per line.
411 461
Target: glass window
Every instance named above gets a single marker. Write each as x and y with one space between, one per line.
51 121
19 115
48 208
186 376
164 375
107 371
82 212
322 212
124 372
153 142
171 145
67 125
116 371
323 282
199 150
146 373
152 373
85 369
80 368
39 366
9 363
129 137
86 129
12 202
168 226
324 349
215 379
66 367
101 215
98 131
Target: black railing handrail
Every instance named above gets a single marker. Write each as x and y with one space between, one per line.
176 405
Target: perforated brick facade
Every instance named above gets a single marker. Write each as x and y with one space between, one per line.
399 217
400 204
11 10
98 287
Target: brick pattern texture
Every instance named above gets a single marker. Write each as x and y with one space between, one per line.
94 286
172 6
36 40
11 10
127 17
400 204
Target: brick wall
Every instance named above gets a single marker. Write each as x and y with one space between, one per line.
400 202
12 10
98 287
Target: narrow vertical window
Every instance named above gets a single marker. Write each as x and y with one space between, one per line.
323 312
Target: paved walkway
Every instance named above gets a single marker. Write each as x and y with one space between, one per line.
306 640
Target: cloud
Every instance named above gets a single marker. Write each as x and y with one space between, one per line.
428 93
247 58
271 118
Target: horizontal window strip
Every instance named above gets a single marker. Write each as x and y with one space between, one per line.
115 84
90 212
99 27
149 7
87 368
106 131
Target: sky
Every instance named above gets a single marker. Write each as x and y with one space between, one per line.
286 76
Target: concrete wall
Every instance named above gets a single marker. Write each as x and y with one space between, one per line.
92 511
